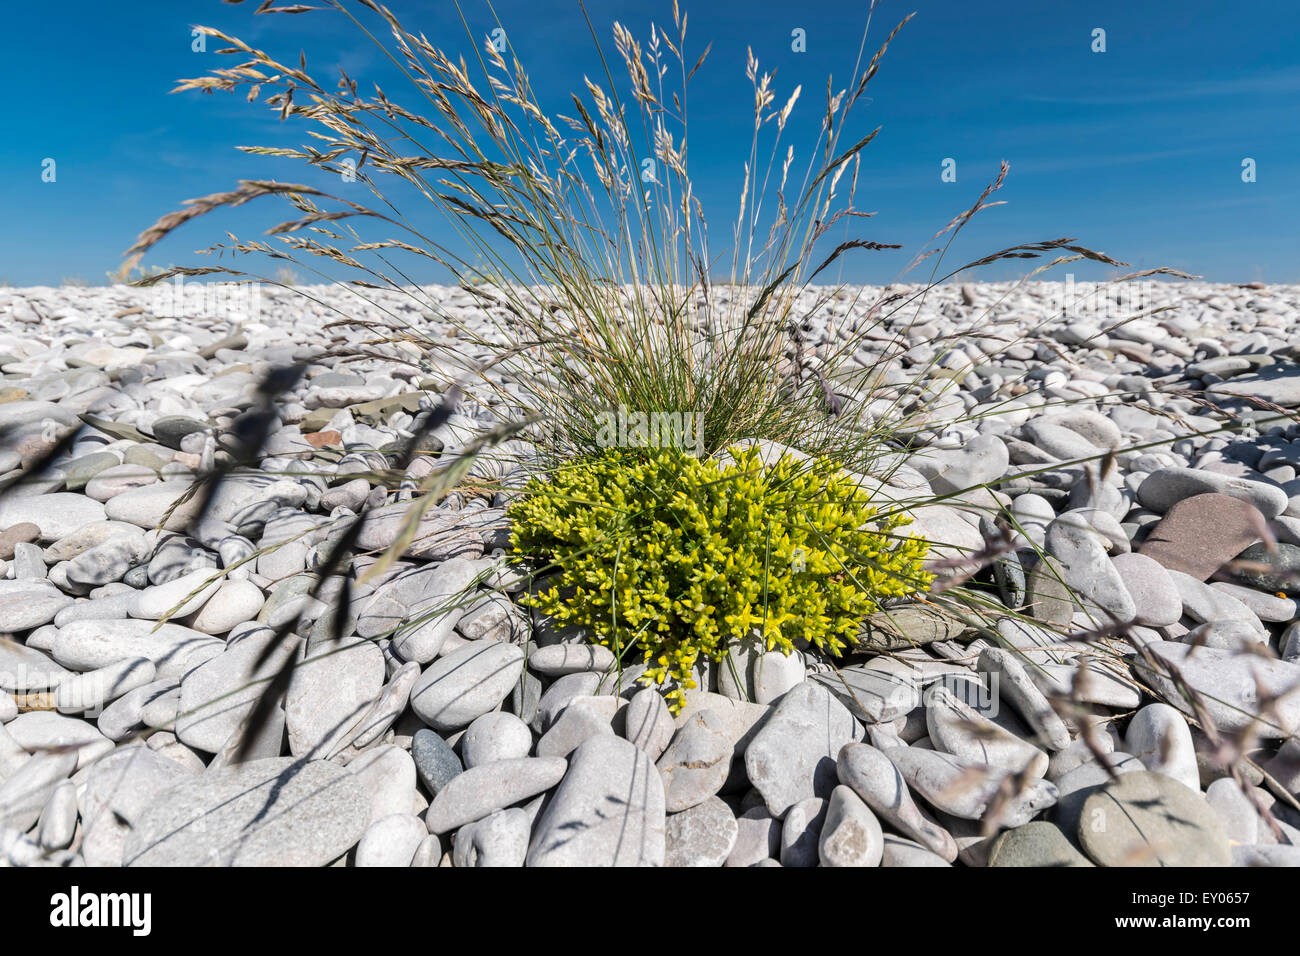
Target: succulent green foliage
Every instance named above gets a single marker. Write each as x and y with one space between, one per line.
679 557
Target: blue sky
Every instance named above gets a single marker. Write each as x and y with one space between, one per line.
1136 151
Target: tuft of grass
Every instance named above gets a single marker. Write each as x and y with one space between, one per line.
590 251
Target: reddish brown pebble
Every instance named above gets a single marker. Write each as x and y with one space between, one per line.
17 534
321 439
1202 533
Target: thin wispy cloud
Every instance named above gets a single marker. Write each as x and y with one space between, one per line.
1271 84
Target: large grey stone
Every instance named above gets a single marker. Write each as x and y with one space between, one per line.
274 812
57 515
1037 843
217 697
792 757
1149 819
332 687
1163 489
86 645
465 684
607 811
1275 386
28 604
481 790
1233 687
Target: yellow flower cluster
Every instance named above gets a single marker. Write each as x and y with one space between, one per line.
680 558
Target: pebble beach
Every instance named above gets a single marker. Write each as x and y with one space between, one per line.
1142 475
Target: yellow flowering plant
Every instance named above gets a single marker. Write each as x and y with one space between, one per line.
682 558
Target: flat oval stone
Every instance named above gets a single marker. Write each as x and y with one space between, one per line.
1200 534
558 659
607 811
114 480
1276 386
792 756
1162 489
86 645
84 467
1155 596
1148 819
57 515
1233 687
465 684
146 506
273 812
474 794
28 604
178 597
